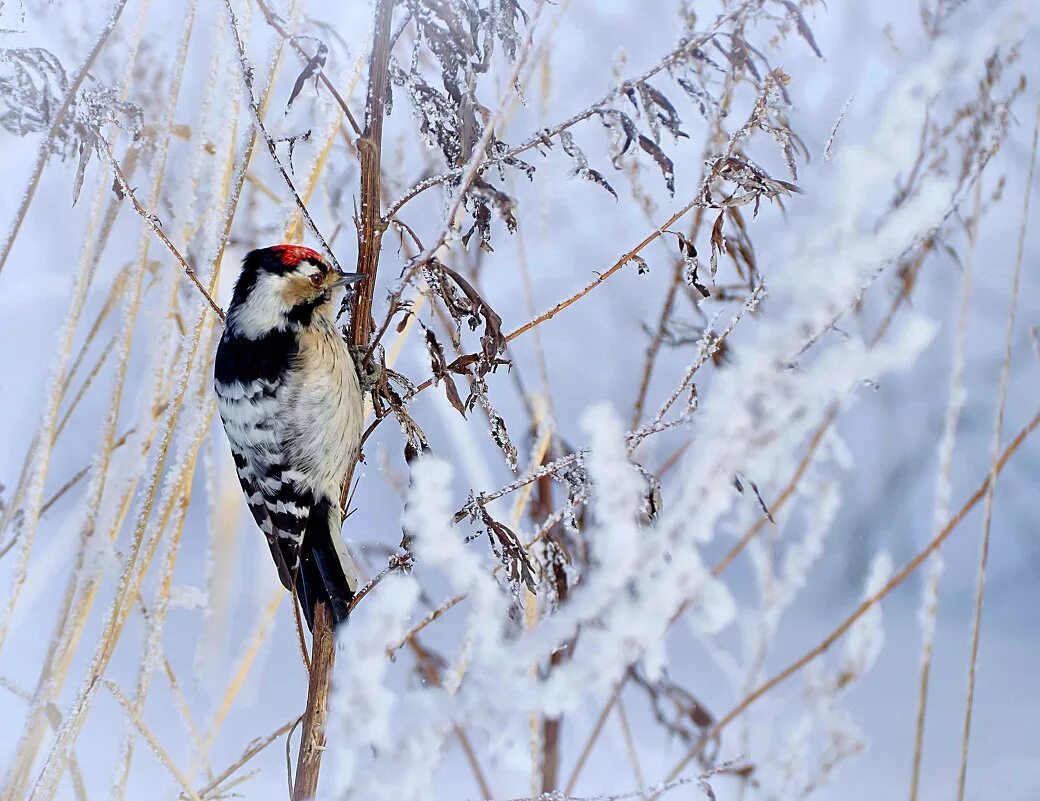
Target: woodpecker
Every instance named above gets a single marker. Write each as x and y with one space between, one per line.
292 407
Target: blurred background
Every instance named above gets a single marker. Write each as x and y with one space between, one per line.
106 351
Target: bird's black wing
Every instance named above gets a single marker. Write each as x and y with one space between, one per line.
250 380
299 532
279 508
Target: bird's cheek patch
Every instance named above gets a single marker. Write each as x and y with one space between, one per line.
298 289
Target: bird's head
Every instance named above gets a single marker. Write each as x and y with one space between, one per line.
282 286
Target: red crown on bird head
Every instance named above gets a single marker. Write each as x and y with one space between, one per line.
291 255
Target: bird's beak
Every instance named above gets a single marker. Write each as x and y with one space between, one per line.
339 279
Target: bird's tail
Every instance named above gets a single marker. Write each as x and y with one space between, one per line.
326 572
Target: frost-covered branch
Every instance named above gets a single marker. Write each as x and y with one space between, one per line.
254 110
544 136
153 222
869 603
317 62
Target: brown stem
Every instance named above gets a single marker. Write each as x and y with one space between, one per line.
312 746
662 325
370 231
370 151
552 740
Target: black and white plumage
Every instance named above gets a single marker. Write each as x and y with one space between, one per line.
292 406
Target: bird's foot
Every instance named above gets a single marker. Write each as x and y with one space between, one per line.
369 372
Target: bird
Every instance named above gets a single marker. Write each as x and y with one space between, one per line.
292 407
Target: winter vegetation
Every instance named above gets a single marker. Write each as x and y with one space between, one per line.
702 364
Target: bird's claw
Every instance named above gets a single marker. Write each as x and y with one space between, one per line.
368 373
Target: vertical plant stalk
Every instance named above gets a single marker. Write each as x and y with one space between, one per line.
654 348
370 234
56 663
370 152
323 657
991 486
929 609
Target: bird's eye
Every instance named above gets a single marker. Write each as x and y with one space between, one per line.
316 279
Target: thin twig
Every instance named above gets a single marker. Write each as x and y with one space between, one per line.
254 109
625 259
251 750
929 608
991 486
654 348
828 148
430 672
710 346
426 621
630 746
150 738
153 222
864 607
545 134
272 20
590 741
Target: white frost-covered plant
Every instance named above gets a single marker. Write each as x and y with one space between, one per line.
577 611
639 574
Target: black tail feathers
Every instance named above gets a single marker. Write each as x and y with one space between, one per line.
320 576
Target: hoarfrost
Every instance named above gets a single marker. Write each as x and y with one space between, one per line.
187 596
867 635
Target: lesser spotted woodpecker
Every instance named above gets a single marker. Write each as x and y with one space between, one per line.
289 397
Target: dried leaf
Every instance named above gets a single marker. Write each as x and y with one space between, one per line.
438 363
803 28
452 393
477 310
509 550
437 360
761 502
624 133
501 437
570 147
706 104
718 242
86 150
311 69
647 102
597 178
31 89
665 163
664 111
